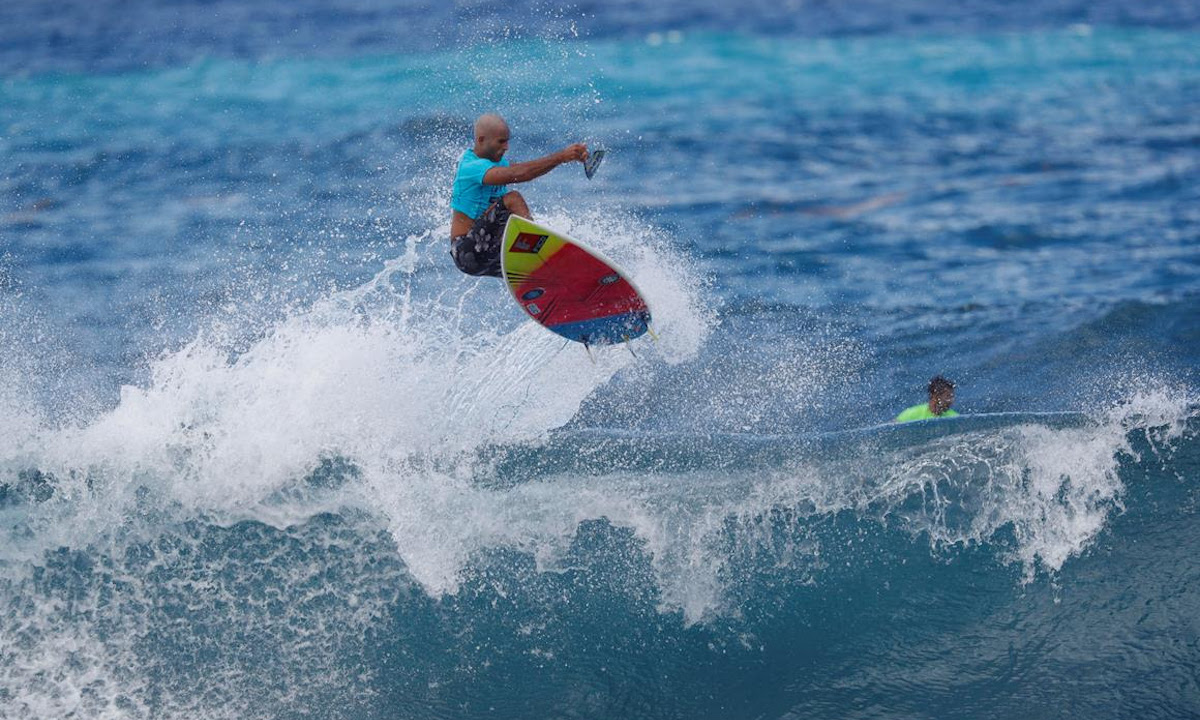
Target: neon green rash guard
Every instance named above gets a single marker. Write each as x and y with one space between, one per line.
921 412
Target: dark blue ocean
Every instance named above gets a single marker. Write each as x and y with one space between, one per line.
264 453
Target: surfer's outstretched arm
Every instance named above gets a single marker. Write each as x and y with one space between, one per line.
530 169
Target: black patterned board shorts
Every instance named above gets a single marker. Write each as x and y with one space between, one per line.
478 252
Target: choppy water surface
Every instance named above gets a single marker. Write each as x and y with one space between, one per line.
265 453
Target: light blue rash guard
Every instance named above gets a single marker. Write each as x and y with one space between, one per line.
470 196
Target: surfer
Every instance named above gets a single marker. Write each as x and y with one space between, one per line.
481 202
941 397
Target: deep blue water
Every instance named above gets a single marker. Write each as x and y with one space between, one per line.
265 454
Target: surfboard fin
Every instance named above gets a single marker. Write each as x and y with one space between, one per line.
628 346
588 349
651 333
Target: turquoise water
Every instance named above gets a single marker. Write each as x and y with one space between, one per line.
265 453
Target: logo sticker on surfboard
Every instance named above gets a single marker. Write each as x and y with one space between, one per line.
529 243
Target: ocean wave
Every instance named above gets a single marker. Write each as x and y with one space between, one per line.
342 576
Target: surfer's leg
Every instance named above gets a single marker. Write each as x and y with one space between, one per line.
515 203
478 252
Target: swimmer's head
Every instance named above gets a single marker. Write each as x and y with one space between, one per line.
941 395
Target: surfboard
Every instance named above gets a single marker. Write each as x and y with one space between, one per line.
569 288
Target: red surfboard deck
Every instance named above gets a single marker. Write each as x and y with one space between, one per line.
569 288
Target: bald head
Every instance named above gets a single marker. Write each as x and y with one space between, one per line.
491 137
489 125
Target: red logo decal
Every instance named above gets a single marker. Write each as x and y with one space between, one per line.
529 243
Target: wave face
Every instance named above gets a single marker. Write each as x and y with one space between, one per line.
265 454
933 569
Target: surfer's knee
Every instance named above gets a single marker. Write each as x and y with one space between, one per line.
515 202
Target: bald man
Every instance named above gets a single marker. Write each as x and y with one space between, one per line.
481 202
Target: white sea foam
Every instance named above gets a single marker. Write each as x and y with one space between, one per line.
400 379
186 623
20 422
1041 493
1053 488
403 379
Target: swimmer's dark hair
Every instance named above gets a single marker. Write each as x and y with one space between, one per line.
939 383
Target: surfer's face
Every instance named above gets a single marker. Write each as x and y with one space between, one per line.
493 145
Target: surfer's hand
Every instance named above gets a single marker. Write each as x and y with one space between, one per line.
578 151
